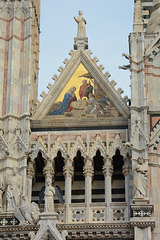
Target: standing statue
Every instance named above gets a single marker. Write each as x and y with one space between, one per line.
49 194
81 25
140 179
14 190
1 195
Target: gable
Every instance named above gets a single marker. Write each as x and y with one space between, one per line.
82 67
88 98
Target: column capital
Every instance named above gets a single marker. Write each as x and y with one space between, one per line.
68 171
30 173
108 170
88 171
48 171
88 161
68 161
31 170
126 170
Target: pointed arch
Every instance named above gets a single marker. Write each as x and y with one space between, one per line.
78 146
59 146
98 145
39 147
118 145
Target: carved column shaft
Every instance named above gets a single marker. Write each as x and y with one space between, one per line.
68 174
30 176
88 173
48 170
108 171
126 171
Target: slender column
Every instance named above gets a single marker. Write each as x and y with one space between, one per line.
30 175
108 171
88 173
48 170
68 174
126 172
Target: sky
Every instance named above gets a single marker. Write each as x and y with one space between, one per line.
108 26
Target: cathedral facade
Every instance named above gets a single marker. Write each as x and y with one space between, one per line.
84 163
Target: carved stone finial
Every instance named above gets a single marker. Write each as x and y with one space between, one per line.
95 59
55 77
113 83
107 74
49 85
65 61
101 67
138 22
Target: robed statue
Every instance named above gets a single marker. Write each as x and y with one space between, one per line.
14 190
140 178
81 25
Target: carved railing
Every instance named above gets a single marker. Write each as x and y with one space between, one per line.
98 212
119 212
60 209
77 212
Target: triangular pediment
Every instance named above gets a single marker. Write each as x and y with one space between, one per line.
69 95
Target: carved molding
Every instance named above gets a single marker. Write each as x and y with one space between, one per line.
59 146
39 147
78 146
98 145
117 144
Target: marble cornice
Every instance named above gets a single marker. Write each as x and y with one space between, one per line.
94 226
27 228
51 122
10 115
139 109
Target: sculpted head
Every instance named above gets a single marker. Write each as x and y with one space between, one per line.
80 13
15 171
140 160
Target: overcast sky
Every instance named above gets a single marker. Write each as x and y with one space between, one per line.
108 26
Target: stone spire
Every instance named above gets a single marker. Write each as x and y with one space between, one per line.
154 21
138 22
81 41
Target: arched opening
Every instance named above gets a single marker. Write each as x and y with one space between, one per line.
98 188
59 179
78 186
118 180
39 179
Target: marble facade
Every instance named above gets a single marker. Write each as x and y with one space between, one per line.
101 150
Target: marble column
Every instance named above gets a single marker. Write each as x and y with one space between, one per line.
68 174
48 170
88 173
108 171
126 172
30 176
